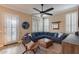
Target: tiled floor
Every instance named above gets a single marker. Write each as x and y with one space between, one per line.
19 48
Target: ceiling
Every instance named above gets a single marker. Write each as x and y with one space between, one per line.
28 8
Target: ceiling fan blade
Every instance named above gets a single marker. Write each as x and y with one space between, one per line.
48 10
48 14
36 9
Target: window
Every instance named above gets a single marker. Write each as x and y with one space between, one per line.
71 22
40 25
46 25
34 24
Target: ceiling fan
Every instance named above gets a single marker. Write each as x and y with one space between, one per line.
44 11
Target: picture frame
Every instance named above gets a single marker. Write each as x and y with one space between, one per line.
55 25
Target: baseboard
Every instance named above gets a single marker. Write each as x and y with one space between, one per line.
11 44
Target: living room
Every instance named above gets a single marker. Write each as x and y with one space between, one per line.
39 28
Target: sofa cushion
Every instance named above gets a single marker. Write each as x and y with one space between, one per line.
56 35
63 36
60 34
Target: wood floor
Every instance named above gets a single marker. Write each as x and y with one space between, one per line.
19 49
12 49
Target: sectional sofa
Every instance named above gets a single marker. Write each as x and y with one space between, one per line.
56 37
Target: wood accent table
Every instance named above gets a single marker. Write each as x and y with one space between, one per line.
45 44
70 45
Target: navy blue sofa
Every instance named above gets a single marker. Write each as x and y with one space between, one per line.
56 37
52 36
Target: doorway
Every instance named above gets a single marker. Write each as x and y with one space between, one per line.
11 29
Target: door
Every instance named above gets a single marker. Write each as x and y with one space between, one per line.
1 31
11 29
